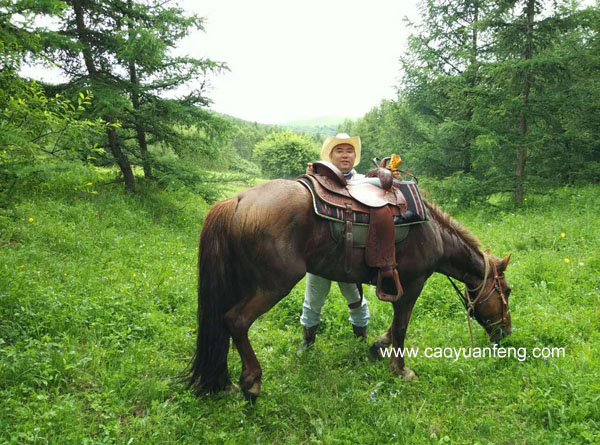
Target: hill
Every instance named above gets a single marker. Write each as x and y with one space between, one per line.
319 127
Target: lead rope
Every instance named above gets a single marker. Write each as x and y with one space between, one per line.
462 297
469 304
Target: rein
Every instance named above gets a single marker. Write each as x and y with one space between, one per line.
469 304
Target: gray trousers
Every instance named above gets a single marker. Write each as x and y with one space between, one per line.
317 289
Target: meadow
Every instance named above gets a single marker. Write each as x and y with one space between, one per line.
98 316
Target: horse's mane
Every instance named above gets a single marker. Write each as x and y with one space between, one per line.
449 223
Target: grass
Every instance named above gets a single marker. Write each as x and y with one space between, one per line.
97 318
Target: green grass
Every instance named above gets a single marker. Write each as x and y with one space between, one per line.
97 319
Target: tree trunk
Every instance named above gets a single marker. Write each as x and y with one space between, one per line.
135 99
122 160
141 134
471 71
113 140
525 89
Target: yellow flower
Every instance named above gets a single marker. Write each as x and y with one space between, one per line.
567 260
31 220
134 275
563 234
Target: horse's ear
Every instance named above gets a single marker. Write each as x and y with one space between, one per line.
504 263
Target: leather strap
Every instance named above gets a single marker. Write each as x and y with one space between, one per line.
348 238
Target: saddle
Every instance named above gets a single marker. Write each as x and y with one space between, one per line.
382 204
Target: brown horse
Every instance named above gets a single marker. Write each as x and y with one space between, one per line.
257 245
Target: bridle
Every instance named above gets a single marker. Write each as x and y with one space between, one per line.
483 295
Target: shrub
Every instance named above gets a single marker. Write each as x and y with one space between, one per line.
285 154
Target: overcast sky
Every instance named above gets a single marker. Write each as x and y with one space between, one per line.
293 60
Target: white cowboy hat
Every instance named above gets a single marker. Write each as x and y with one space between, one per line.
340 138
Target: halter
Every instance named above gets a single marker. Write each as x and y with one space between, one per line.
483 296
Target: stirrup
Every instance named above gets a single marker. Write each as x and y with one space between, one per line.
393 273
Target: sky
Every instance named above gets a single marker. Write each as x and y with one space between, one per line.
294 60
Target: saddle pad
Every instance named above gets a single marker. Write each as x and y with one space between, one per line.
360 232
415 211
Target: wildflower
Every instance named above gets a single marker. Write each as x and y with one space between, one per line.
134 275
31 220
563 234
567 260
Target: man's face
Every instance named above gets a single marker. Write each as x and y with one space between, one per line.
343 157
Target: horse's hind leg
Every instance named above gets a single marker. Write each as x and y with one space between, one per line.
239 319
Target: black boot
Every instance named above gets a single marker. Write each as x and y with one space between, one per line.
360 332
309 335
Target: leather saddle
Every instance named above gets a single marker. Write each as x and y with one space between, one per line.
382 203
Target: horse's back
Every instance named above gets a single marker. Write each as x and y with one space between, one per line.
273 218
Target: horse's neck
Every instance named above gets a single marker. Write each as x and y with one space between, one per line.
461 260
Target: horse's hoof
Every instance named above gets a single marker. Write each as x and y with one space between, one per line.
251 398
375 351
251 393
404 373
408 374
231 387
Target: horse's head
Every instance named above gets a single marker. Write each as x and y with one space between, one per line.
488 302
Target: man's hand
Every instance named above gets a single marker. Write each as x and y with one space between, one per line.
309 169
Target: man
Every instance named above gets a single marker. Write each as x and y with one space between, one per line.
342 151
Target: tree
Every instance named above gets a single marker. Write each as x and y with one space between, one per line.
441 74
153 31
526 84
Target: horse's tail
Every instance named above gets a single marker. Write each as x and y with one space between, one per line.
216 295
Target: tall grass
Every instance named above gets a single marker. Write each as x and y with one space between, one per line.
97 318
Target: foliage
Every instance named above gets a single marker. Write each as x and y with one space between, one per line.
285 154
98 314
34 127
174 174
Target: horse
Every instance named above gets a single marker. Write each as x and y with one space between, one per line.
255 247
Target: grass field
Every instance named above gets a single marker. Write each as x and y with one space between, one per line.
97 318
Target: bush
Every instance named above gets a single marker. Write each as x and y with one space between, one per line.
285 154
174 174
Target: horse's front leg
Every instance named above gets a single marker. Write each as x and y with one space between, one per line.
402 311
